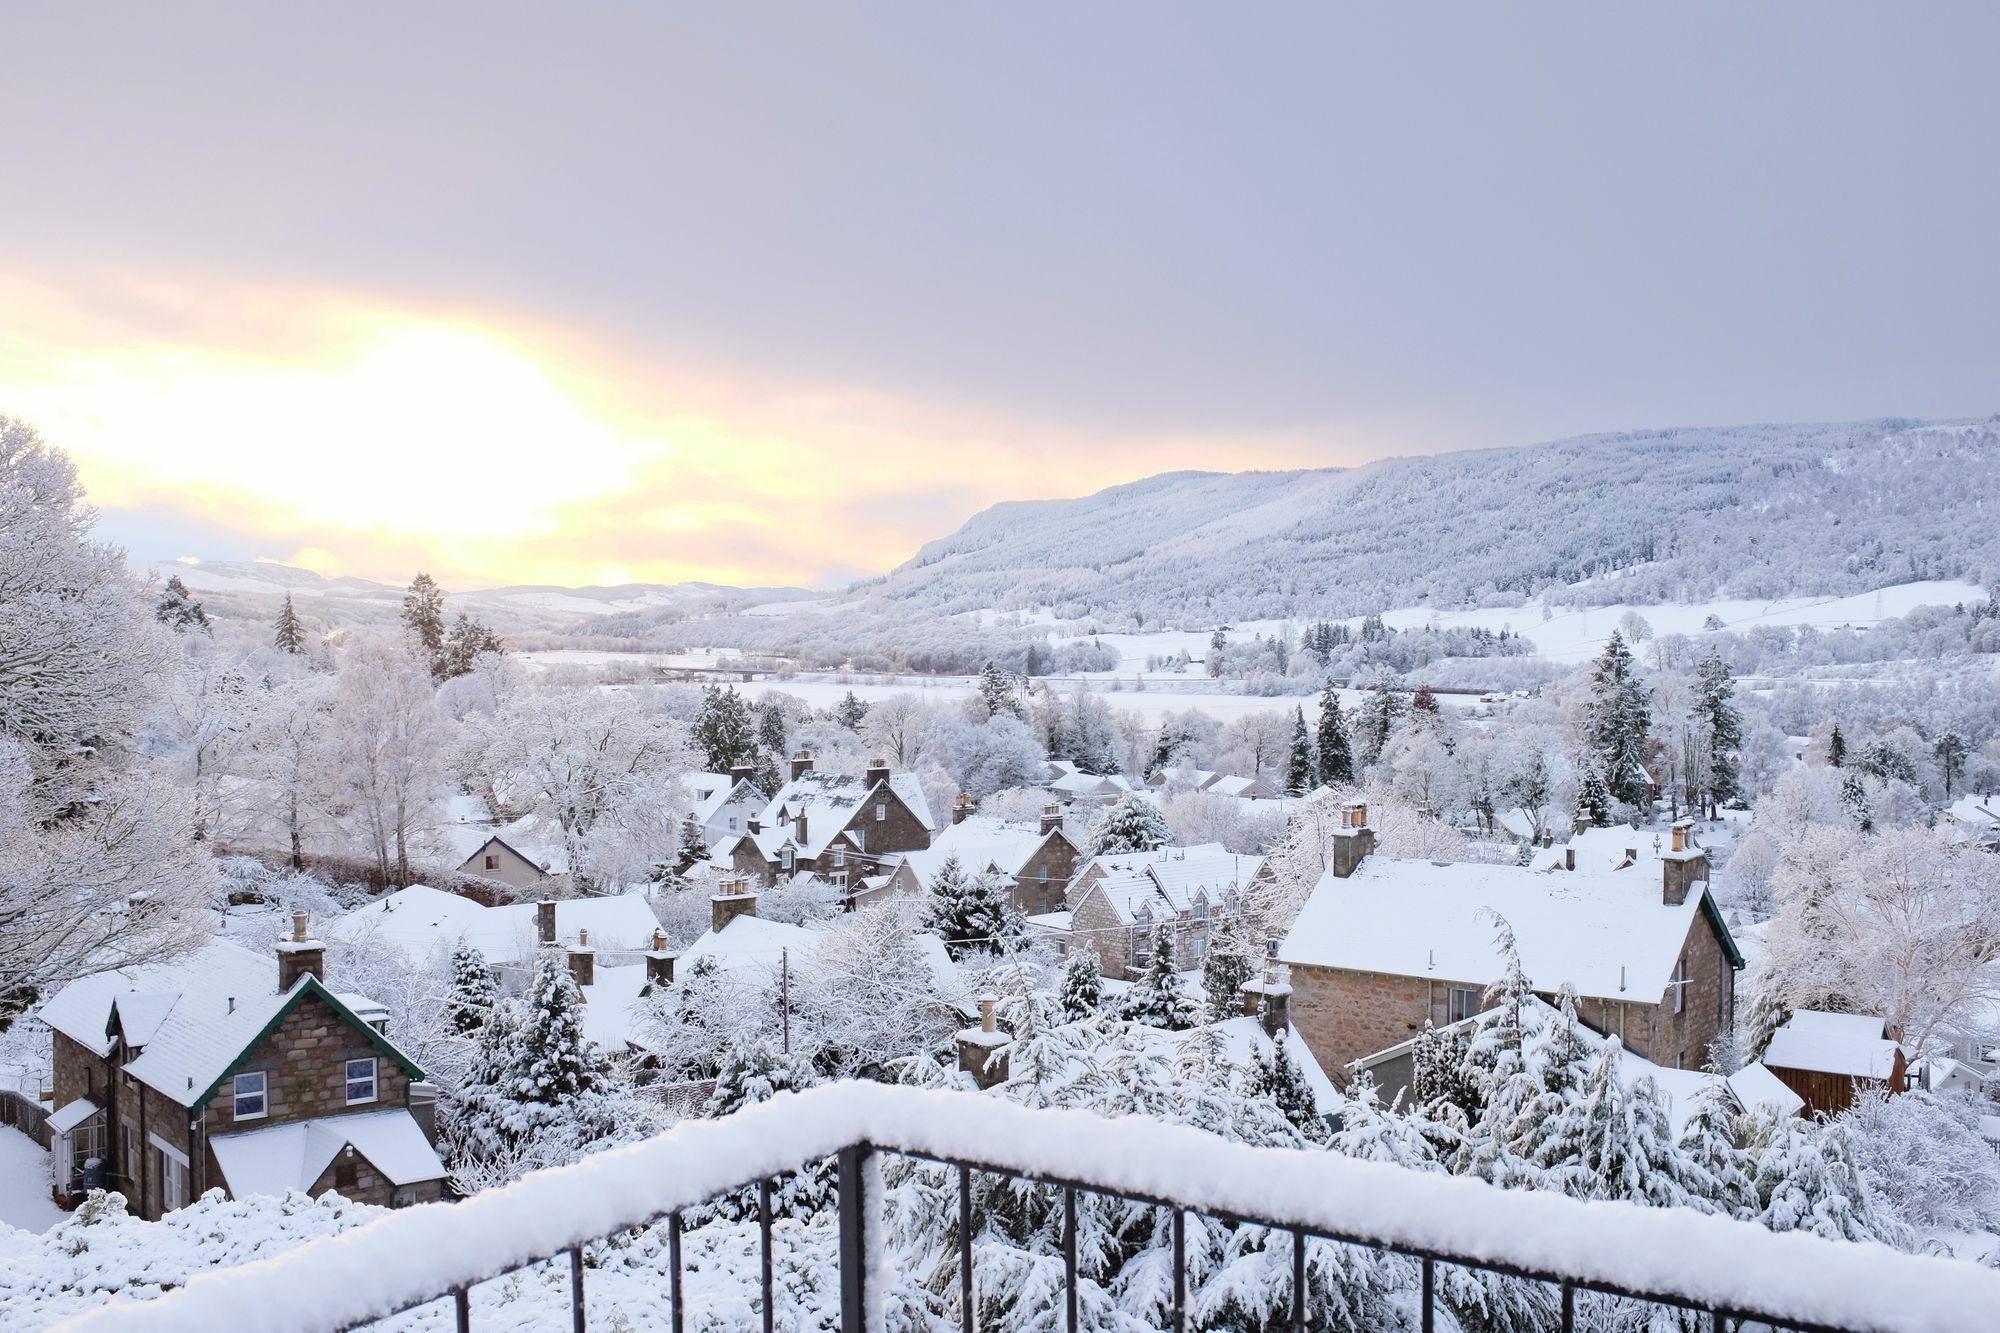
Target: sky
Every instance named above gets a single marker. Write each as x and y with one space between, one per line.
650 292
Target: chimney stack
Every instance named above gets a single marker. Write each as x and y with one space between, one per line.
1569 858
961 807
742 773
660 961
1353 840
733 898
422 1103
1051 819
545 922
878 771
1685 865
300 956
802 763
583 960
1268 998
982 1051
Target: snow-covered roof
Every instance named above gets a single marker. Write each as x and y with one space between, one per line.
711 791
1230 784
1758 1089
281 1158
420 919
1060 922
72 1115
1167 880
906 786
1850 1044
1244 1039
1973 819
978 841
1091 784
610 1005
1607 932
751 942
1174 775
199 1012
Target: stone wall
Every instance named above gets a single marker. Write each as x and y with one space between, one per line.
305 1061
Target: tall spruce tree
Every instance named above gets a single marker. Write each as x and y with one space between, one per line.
1720 732
289 635
423 615
850 712
971 913
1299 770
1836 748
1619 719
1336 759
1229 962
1278 1077
752 1072
178 609
1593 802
997 692
1377 719
462 647
1714 1166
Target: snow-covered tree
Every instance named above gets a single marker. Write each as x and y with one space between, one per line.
1926 1160
179 611
997 693
972 914
1081 994
1720 734
1593 800
423 617
1336 757
1229 962
721 734
1156 998
1132 823
388 741
1713 1164
289 634
1301 768
1619 718
535 1070
1377 719
1278 1078
753 1072
1806 1180
467 642
1627 1140
850 712
473 991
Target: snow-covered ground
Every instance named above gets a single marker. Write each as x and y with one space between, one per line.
24 1183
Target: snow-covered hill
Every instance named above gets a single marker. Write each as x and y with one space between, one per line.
1689 515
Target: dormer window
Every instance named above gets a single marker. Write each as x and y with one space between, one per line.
251 1102
786 859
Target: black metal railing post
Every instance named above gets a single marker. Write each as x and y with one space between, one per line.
1069 1258
577 1321
1299 1282
853 1164
1180 1271
965 1248
764 1229
1430 1295
674 1285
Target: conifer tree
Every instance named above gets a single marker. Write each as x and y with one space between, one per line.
1715 1168
1548 1131
971 913
751 1073
462 646
1336 760
1156 998
1278 1078
1836 748
1082 992
289 634
996 691
1299 771
1854 795
1424 707
423 615
771 726
1593 802
1218 645
473 992
1129 824
1379 712
720 733
693 849
1720 731
535 1068
850 712
1766 1015
1619 719
1806 1180
1438 1075
1225 967
1627 1140
179 611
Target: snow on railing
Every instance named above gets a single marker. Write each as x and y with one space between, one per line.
1676 1255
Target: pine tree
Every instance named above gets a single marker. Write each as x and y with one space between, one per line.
462 647
1156 998
290 635
1619 718
1720 729
720 733
751 1073
1496 1062
1218 644
1593 802
850 712
1278 1078
1766 1015
1379 712
1806 1180
1082 992
1336 760
1854 795
1130 824
423 616
771 726
179 610
694 846
1299 772
1950 752
996 691
473 992
1836 748
1224 969
535 1069
971 913
1716 1169
1628 1146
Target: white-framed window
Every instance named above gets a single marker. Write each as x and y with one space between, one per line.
251 1103
840 856
1679 985
786 859
1460 1002
1138 948
881 811
361 1080
173 1183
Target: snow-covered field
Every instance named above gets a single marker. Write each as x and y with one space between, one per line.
24 1184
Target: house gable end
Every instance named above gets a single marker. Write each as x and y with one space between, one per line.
310 986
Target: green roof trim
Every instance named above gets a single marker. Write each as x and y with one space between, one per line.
1714 915
311 985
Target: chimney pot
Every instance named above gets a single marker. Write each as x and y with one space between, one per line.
961 808
732 900
298 927
1569 858
1051 819
583 939
802 762
986 1003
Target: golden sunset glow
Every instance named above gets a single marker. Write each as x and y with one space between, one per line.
348 435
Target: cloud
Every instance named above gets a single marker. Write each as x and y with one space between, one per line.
354 434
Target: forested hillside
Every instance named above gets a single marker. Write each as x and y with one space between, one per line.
1637 516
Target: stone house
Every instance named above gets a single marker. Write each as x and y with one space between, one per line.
233 1070
839 826
1382 947
1037 861
1117 902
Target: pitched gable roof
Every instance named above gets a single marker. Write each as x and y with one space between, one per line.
979 841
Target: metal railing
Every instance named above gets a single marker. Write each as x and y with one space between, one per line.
1731 1274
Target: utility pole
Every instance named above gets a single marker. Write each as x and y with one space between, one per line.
785 994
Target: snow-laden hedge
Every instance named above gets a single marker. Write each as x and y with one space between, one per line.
416 1253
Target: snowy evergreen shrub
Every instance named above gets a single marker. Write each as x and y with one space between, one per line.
1156 998
473 991
1130 824
1082 991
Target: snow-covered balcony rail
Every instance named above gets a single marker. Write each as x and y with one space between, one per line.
1732 1273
